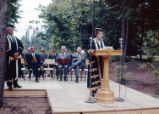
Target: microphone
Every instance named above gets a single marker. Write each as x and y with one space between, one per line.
121 43
90 42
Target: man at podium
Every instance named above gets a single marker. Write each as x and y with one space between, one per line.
95 67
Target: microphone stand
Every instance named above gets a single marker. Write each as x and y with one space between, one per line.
119 99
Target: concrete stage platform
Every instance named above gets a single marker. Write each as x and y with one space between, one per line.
68 98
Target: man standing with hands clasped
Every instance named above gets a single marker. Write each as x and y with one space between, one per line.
14 48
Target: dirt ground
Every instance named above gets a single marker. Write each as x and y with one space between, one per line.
138 79
27 105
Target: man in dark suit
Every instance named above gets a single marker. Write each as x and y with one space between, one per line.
53 56
78 61
63 59
42 56
13 54
35 63
28 61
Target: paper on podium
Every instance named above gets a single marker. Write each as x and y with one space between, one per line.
108 47
107 51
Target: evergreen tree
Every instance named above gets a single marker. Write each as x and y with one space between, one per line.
13 12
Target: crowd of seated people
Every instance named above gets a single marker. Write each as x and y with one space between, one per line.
64 62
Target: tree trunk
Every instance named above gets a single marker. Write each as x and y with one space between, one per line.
142 36
3 23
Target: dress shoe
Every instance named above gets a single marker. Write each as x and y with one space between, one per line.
70 69
17 86
76 80
57 77
37 81
9 84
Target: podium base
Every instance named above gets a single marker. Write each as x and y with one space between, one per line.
105 96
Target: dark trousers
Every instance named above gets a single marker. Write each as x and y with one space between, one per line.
29 70
60 71
35 71
77 65
56 67
11 74
42 72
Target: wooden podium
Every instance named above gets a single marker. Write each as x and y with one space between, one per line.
104 94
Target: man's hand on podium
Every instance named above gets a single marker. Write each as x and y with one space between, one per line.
90 51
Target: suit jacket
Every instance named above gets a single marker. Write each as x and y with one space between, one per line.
28 58
52 56
77 56
63 55
35 61
43 56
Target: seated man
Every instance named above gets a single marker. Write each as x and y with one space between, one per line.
63 59
53 56
78 61
42 56
28 61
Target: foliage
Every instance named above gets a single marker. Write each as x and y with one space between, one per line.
72 22
37 40
114 58
121 74
13 11
151 67
151 44
61 24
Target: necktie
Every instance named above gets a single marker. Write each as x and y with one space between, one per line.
99 43
13 39
33 54
79 55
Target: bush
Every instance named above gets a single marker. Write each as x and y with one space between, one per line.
114 58
121 78
151 67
